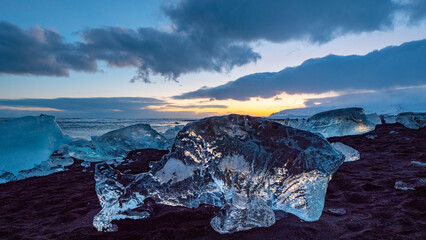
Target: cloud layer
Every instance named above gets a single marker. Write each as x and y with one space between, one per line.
210 35
40 52
390 67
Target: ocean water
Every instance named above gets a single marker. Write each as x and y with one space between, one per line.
85 128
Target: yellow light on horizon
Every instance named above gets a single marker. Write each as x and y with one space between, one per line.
254 106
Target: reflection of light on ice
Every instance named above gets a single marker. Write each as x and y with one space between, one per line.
247 166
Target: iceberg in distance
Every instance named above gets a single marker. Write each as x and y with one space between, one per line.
28 141
117 143
247 166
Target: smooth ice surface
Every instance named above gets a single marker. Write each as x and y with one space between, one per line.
340 122
350 153
117 143
412 120
28 141
247 166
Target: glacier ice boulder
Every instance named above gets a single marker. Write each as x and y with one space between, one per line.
117 143
412 120
28 141
340 122
350 153
247 166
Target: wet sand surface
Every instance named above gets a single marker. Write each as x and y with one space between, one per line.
361 201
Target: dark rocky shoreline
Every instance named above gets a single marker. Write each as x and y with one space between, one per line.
361 201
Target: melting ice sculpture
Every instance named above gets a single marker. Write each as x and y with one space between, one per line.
340 122
117 143
247 166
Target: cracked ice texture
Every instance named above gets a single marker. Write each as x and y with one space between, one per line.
117 143
247 166
28 141
340 122
412 120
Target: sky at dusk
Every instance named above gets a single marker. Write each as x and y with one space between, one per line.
191 59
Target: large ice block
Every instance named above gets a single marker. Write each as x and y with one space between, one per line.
247 166
340 122
26 142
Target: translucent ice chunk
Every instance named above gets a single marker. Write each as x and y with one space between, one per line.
340 122
400 185
117 143
374 118
247 166
295 123
28 141
412 120
350 153
56 163
418 163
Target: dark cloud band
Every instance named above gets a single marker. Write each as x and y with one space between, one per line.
390 67
209 35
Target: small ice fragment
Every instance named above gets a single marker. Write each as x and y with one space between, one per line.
371 136
85 164
350 153
393 132
418 164
400 185
336 211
